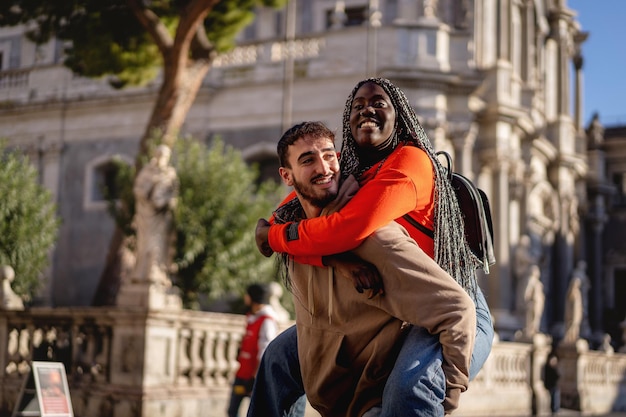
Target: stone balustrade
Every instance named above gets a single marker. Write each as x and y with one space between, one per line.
13 79
592 381
124 362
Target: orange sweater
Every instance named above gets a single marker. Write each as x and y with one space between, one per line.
404 184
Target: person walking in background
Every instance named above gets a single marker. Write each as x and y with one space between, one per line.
261 328
551 376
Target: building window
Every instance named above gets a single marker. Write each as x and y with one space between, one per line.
249 32
263 155
100 181
354 16
104 182
268 169
5 54
619 180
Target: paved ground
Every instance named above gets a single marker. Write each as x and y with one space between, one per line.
310 412
562 413
568 413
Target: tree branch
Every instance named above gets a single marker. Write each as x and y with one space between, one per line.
188 30
149 20
201 47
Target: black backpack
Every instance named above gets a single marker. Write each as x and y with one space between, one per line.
474 206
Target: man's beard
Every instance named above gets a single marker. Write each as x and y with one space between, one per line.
306 193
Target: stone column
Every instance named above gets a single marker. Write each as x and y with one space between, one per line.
571 373
500 281
463 140
597 220
407 12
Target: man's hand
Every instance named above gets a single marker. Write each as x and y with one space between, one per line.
362 274
262 231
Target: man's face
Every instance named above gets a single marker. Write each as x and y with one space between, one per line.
372 116
313 170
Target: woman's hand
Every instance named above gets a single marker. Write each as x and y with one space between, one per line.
362 274
261 237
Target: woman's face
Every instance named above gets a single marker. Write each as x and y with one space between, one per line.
372 116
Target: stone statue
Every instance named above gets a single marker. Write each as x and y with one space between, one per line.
534 301
542 205
573 311
10 300
585 286
526 256
595 132
606 346
155 190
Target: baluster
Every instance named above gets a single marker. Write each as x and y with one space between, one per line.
13 356
195 372
25 358
233 349
209 358
101 360
89 352
184 363
221 361
78 341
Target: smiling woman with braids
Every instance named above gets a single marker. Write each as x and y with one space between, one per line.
388 152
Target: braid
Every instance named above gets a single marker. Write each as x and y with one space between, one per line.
291 211
452 251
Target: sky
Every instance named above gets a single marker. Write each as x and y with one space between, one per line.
604 54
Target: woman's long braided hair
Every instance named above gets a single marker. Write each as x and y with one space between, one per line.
452 252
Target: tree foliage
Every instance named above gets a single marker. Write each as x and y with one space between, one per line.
218 206
128 38
28 222
131 41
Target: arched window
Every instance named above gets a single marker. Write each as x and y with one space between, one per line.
100 180
264 155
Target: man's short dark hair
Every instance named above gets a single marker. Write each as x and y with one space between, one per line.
314 129
259 293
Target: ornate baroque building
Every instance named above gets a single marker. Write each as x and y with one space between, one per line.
497 83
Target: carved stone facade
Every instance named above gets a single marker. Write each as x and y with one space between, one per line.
490 79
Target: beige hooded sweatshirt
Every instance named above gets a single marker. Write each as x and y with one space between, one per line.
348 344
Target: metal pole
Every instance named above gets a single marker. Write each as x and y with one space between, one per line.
373 23
288 68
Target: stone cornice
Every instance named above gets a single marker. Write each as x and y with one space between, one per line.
454 83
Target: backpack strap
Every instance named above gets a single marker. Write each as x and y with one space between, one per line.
419 226
476 213
428 232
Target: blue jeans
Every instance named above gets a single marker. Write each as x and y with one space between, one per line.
278 389
415 386
240 390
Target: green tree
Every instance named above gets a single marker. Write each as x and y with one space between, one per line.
218 205
28 222
131 41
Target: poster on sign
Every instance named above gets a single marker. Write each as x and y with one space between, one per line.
53 392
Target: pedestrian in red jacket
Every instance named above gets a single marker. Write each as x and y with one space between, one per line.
261 328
